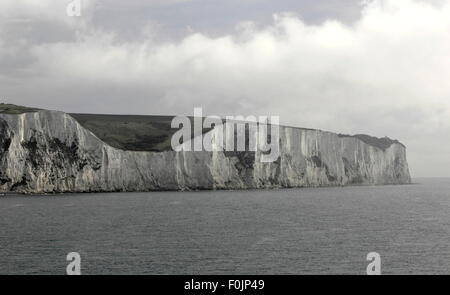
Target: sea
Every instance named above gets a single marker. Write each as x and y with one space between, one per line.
280 231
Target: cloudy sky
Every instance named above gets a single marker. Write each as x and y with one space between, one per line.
376 67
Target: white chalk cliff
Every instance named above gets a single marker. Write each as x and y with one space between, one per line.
49 151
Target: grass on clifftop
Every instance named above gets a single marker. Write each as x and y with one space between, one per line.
12 109
131 132
381 143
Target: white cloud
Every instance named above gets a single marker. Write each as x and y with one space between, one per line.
386 74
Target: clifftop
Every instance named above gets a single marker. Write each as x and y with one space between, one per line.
382 143
12 109
151 133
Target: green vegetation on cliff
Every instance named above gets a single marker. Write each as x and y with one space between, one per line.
382 143
128 132
131 132
7 108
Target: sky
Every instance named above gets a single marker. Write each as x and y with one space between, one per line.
379 67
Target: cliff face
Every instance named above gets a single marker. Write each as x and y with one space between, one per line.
48 151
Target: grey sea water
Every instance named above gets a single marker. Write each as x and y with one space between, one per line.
286 231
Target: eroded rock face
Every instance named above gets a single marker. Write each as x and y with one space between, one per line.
48 151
